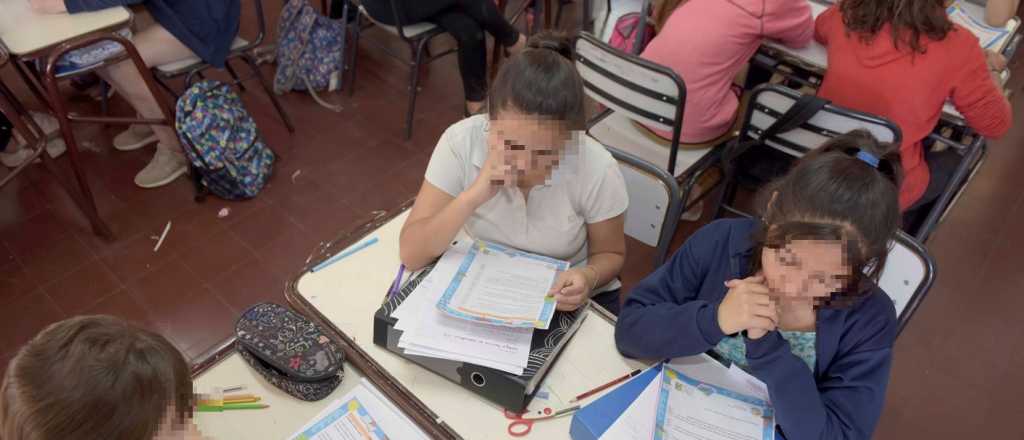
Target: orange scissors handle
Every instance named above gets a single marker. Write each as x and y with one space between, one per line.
520 427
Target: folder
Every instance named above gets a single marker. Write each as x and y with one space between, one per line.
629 400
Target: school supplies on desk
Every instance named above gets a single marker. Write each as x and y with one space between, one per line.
498 285
502 364
344 254
693 397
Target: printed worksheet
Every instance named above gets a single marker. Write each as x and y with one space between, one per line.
501 286
691 409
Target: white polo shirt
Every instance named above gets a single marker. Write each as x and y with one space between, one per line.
586 187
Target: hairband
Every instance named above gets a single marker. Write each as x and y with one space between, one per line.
868 158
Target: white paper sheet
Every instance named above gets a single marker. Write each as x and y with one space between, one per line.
362 414
750 384
637 421
429 332
503 286
689 409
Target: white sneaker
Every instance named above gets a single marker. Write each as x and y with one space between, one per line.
135 137
693 214
55 148
165 166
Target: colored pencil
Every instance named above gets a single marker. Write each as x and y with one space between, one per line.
342 255
600 388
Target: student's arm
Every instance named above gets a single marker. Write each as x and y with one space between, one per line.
443 205
662 316
977 96
433 222
606 253
824 23
848 400
789 22
999 12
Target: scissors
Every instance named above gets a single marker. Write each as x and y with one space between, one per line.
522 424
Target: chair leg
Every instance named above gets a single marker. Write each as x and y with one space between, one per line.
270 93
414 79
166 87
355 53
234 76
83 198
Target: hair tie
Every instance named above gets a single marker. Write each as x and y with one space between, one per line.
868 158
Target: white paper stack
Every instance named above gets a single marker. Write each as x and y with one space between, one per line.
427 331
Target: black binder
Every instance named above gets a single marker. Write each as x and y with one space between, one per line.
505 389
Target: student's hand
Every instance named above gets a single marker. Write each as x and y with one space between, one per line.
48 6
747 306
494 174
572 288
996 61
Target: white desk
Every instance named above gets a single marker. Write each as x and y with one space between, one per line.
814 57
348 293
25 33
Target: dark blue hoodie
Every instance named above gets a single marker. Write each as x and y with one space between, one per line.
674 312
206 26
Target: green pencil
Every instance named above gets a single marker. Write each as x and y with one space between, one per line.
232 406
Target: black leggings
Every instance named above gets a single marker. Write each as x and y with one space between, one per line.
466 20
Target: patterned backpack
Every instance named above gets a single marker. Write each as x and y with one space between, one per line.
220 140
310 51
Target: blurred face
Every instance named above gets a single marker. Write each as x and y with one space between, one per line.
805 270
531 147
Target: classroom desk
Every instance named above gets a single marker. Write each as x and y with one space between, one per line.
343 298
27 34
346 295
814 57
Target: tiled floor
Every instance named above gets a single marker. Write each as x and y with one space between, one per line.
957 366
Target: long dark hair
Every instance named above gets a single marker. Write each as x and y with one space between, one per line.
541 80
847 191
910 19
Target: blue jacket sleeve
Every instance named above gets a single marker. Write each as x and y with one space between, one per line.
74 6
663 317
845 402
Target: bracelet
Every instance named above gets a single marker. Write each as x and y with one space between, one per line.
596 276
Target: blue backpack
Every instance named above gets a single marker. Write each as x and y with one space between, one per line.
310 51
220 140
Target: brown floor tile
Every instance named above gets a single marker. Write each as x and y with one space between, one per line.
40 229
290 253
166 286
83 287
250 283
26 316
215 256
197 323
262 227
14 282
51 261
134 257
124 305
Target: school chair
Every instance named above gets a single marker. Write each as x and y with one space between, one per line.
907 276
770 122
417 36
635 90
972 155
50 83
241 48
655 204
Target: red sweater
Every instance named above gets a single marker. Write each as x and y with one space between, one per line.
910 89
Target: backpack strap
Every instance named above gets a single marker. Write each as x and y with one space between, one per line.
799 113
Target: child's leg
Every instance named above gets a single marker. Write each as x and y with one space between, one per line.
156 46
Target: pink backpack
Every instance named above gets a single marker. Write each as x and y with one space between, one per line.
625 33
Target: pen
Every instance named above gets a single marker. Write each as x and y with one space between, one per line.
600 388
231 407
342 255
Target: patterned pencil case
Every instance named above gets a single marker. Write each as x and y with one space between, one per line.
289 351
